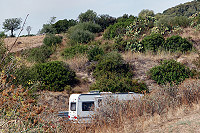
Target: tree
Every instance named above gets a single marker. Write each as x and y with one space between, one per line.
145 13
88 16
28 29
105 20
64 25
48 28
12 24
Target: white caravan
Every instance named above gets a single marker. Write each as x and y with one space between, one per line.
83 106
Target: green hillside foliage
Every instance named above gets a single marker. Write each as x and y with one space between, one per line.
52 40
153 42
114 75
39 54
119 28
64 25
54 76
74 50
186 9
170 71
112 63
177 43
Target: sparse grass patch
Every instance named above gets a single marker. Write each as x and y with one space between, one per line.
78 63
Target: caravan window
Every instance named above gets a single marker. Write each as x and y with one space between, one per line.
87 106
73 106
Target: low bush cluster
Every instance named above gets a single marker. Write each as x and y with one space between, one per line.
84 32
54 75
170 71
177 43
95 53
112 63
155 41
113 74
52 40
73 50
39 54
82 36
114 83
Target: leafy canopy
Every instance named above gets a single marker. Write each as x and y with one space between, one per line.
12 24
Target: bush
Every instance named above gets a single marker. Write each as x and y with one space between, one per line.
119 44
54 75
82 36
86 26
170 71
73 50
2 34
112 63
115 83
177 43
51 40
95 53
153 42
39 55
24 76
115 30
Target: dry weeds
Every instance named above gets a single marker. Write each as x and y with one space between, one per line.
78 63
24 42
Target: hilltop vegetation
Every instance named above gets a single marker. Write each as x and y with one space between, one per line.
153 54
186 9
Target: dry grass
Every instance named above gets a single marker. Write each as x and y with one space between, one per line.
78 63
24 42
155 112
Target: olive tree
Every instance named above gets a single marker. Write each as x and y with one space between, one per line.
12 24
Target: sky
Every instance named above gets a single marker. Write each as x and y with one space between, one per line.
40 11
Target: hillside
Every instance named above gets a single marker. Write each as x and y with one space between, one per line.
24 42
155 55
186 9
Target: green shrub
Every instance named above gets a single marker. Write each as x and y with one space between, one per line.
115 83
54 75
119 44
153 42
52 40
95 53
86 26
25 76
112 63
170 71
73 50
177 43
39 55
116 30
2 34
82 36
